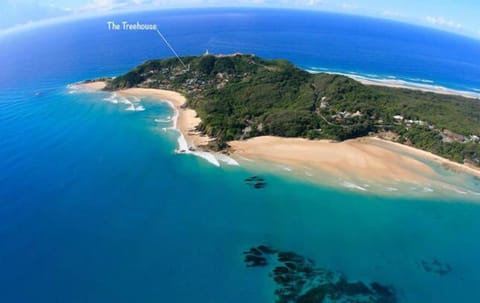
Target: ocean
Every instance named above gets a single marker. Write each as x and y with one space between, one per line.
95 206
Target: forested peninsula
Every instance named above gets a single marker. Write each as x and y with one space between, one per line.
243 96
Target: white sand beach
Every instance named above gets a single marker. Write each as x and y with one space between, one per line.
396 83
367 158
187 118
353 158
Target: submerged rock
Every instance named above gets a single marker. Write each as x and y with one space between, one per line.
256 256
290 256
383 290
267 250
259 185
254 179
299 281
256 182
436 267
254 261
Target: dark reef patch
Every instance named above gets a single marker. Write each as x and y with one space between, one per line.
299 281
255 257
256 182
436 267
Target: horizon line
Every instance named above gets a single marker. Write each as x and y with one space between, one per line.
32 25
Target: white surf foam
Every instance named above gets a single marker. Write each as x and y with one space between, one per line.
166 120
413 83
175 115
353 186
182 143
428 190
73 89
246 159
132 105
207 156
184 148
458 191
421 80
226 159
134 108
113 98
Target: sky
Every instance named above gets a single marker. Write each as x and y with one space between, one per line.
457 16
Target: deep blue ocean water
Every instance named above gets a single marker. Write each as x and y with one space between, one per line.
95 206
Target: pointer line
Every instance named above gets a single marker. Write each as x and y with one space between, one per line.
171 48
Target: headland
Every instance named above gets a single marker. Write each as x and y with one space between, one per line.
252 108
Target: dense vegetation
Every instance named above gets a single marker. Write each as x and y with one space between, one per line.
242 96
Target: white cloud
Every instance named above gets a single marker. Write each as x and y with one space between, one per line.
349 6
393 14
31 24
441 21
314 2
54 10
101 6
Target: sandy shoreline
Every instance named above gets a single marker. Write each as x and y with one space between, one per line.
395 83
356 158
448 164
365 164
369 158
186 118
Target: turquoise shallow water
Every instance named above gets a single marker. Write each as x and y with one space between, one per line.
95 206
127 215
